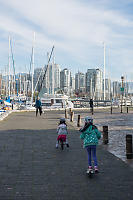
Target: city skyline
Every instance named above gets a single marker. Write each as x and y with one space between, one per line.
77 29
91 84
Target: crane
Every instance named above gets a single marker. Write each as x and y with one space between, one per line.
44 72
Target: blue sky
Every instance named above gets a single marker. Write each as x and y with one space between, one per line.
77 29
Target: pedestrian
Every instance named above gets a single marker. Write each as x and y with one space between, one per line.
62 132
91 105
90 135
38 106
12 105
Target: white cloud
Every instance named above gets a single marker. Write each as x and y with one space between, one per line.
68 19
75 28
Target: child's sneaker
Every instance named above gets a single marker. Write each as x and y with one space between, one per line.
56 146
89 170
67 145
96 169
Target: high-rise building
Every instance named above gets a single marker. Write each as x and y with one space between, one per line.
130 88
94 83
79 82
72 86
38 76
0 84
107 89
72 83
22 86
51 82
57 77
65 80
126 89
116 89
53 78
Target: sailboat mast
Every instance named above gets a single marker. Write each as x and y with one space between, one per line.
14 83
33 67
24 85
6 72
48 74
9 68
53 71
104 71
20 85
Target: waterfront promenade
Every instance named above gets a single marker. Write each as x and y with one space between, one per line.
32 169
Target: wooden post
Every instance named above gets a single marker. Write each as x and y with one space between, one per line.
129 146
62 104
105 134
111 109
92 111
71 116
66 114
79 121
121 107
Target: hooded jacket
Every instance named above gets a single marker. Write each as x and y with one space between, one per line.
62 129
90 135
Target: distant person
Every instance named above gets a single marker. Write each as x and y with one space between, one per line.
62 132
12 104
38 106
91 105
90 136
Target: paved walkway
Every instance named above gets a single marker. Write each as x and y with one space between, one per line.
32 169
119 125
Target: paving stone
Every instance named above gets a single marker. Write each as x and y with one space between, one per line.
31 168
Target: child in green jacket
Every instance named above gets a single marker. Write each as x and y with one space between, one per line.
90 135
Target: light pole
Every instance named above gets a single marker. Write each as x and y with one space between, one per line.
104 72
9 68
122 90
32 89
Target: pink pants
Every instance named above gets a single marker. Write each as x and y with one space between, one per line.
63 137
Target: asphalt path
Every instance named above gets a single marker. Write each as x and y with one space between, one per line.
31 168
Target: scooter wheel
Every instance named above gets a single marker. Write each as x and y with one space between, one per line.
62 146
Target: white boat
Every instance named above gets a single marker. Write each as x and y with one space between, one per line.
55 101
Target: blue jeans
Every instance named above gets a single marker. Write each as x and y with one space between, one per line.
91 149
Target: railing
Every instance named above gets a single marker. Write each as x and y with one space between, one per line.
84 103
80 103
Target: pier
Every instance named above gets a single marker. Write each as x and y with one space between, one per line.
31 168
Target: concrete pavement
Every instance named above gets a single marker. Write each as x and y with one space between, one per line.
32 169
